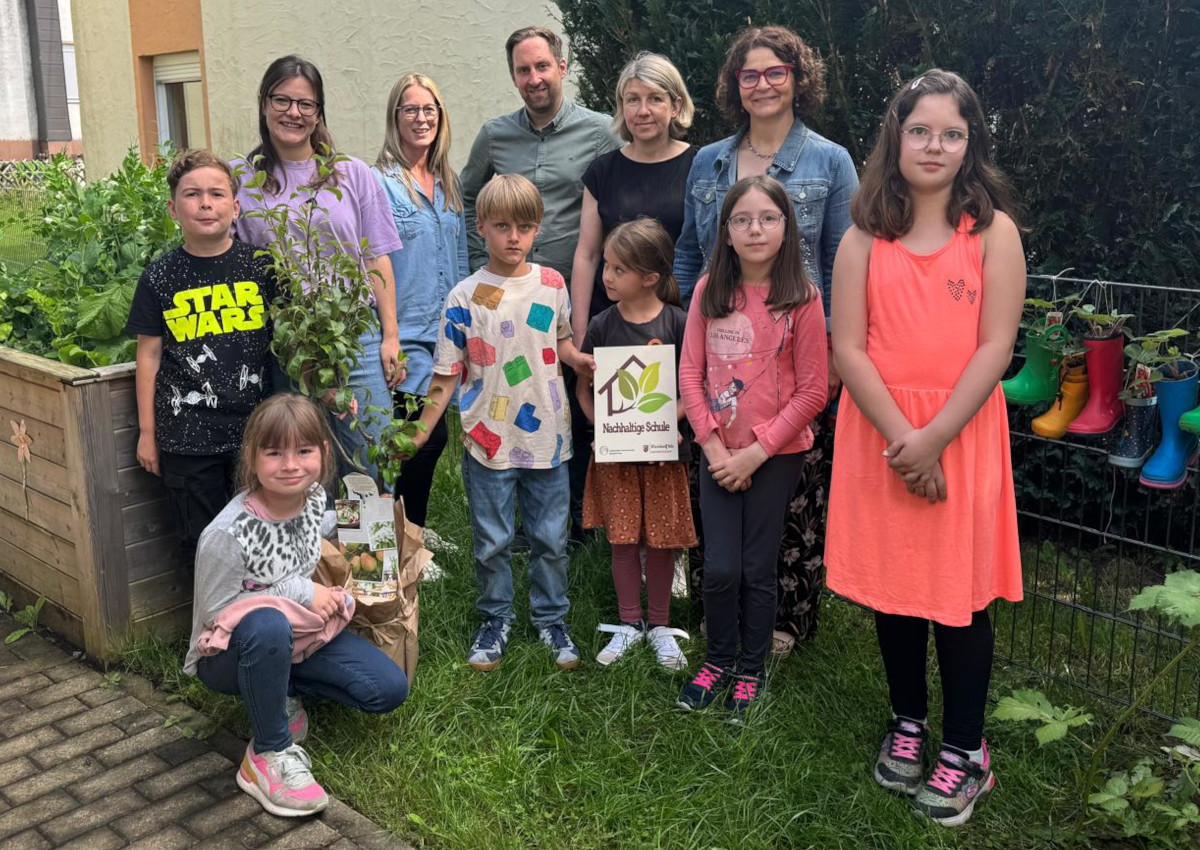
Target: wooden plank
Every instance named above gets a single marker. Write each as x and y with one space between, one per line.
37 508
39 576
45 546
167 624
99 543
40 370
31 399
135 485
146 521
47 437
116 372
148 558
124 405
56 618
125 442
159 593
45 477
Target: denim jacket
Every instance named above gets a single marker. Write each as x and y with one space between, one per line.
820 178
432 261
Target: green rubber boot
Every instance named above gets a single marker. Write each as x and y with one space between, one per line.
1190 421
1037 382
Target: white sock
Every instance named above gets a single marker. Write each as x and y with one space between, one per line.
922 722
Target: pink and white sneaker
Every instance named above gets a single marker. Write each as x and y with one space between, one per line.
950 793
282 782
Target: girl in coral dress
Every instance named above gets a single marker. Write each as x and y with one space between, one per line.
927 294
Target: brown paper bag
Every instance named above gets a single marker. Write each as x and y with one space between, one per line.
391 625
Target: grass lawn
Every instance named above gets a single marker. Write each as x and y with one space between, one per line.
531 757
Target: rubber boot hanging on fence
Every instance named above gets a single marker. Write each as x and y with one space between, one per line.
1137 433
1072 396
1167 467
1105 373
1037 381
1190 421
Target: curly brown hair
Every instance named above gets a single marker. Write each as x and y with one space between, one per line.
808 70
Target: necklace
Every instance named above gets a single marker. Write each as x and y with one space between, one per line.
754 151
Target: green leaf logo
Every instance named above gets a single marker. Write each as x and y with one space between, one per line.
652 402
627 386
649 379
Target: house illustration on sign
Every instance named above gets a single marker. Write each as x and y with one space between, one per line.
607 388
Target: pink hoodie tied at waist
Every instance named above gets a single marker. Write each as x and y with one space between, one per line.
309 631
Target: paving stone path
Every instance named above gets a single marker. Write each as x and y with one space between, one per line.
92 764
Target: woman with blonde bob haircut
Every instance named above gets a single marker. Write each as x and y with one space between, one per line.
425 195
659 73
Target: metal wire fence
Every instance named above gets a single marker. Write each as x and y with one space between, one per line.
1092 537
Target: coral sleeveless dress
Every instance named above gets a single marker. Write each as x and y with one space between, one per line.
886 548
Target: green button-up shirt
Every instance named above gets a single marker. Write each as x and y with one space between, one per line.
554 160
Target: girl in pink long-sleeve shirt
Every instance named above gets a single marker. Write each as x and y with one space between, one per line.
752 377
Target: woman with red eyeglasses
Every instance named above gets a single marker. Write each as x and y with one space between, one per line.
770 82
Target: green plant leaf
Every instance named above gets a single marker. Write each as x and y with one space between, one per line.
626 385
1177 598
1055 730
103 315
652 402
1025 705
16 635
1186 730
648 381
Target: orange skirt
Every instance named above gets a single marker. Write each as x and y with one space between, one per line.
616 497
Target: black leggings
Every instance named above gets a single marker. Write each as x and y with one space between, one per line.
965 659
416 474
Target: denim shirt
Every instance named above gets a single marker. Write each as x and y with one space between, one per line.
818 175
432 261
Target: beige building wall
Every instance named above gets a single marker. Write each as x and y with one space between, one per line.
362 47
108 99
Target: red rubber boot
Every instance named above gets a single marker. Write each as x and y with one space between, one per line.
1105 361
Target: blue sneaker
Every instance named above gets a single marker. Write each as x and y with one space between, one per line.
488 645
566 653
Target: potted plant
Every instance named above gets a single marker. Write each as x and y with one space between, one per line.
1103 343
1160 366
1037 382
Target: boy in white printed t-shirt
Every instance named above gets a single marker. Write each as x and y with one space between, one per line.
506 328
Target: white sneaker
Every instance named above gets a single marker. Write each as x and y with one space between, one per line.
662 638
623 637
432 572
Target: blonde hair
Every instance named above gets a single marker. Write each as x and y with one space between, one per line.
283 421
509 197
660 73
391 156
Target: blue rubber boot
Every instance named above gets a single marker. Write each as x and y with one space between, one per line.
1167 467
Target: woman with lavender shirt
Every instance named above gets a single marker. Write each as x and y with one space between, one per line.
291 128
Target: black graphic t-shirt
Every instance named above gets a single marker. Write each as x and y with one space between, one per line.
212 315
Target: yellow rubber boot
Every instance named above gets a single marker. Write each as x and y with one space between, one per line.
1072 396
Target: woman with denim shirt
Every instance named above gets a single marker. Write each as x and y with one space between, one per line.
426 199
770 80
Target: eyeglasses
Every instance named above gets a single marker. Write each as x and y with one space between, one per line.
410 113
767 221
776 76
918 138
282 103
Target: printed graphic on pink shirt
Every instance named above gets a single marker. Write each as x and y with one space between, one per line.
731 337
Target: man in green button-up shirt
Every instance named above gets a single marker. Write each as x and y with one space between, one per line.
551 141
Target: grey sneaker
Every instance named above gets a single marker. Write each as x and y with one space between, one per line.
950 793
488 645
297 719
901 761
566 653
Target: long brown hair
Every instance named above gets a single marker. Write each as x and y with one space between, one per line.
790 286
391 156
283 421
265 157
808 71
645 246
883 207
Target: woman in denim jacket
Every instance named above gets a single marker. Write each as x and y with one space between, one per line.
426 199
770 80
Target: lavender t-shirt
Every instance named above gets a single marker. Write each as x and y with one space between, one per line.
362 211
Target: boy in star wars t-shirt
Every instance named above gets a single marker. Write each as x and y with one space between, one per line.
201 318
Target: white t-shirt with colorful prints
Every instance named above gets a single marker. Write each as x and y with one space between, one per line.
501 335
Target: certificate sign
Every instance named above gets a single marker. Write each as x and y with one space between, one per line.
636 415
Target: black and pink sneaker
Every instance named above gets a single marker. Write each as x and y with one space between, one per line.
747 687
901 761
708 683
950 793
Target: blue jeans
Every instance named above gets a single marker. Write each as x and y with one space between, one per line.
543 496
258 667
370 388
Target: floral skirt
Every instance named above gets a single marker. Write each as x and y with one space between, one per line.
800 569
616 496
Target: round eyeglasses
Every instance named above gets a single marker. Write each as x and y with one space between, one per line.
767 221
776 76
282 103
411 113
919 138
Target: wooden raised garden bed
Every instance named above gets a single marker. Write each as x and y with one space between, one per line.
81 523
